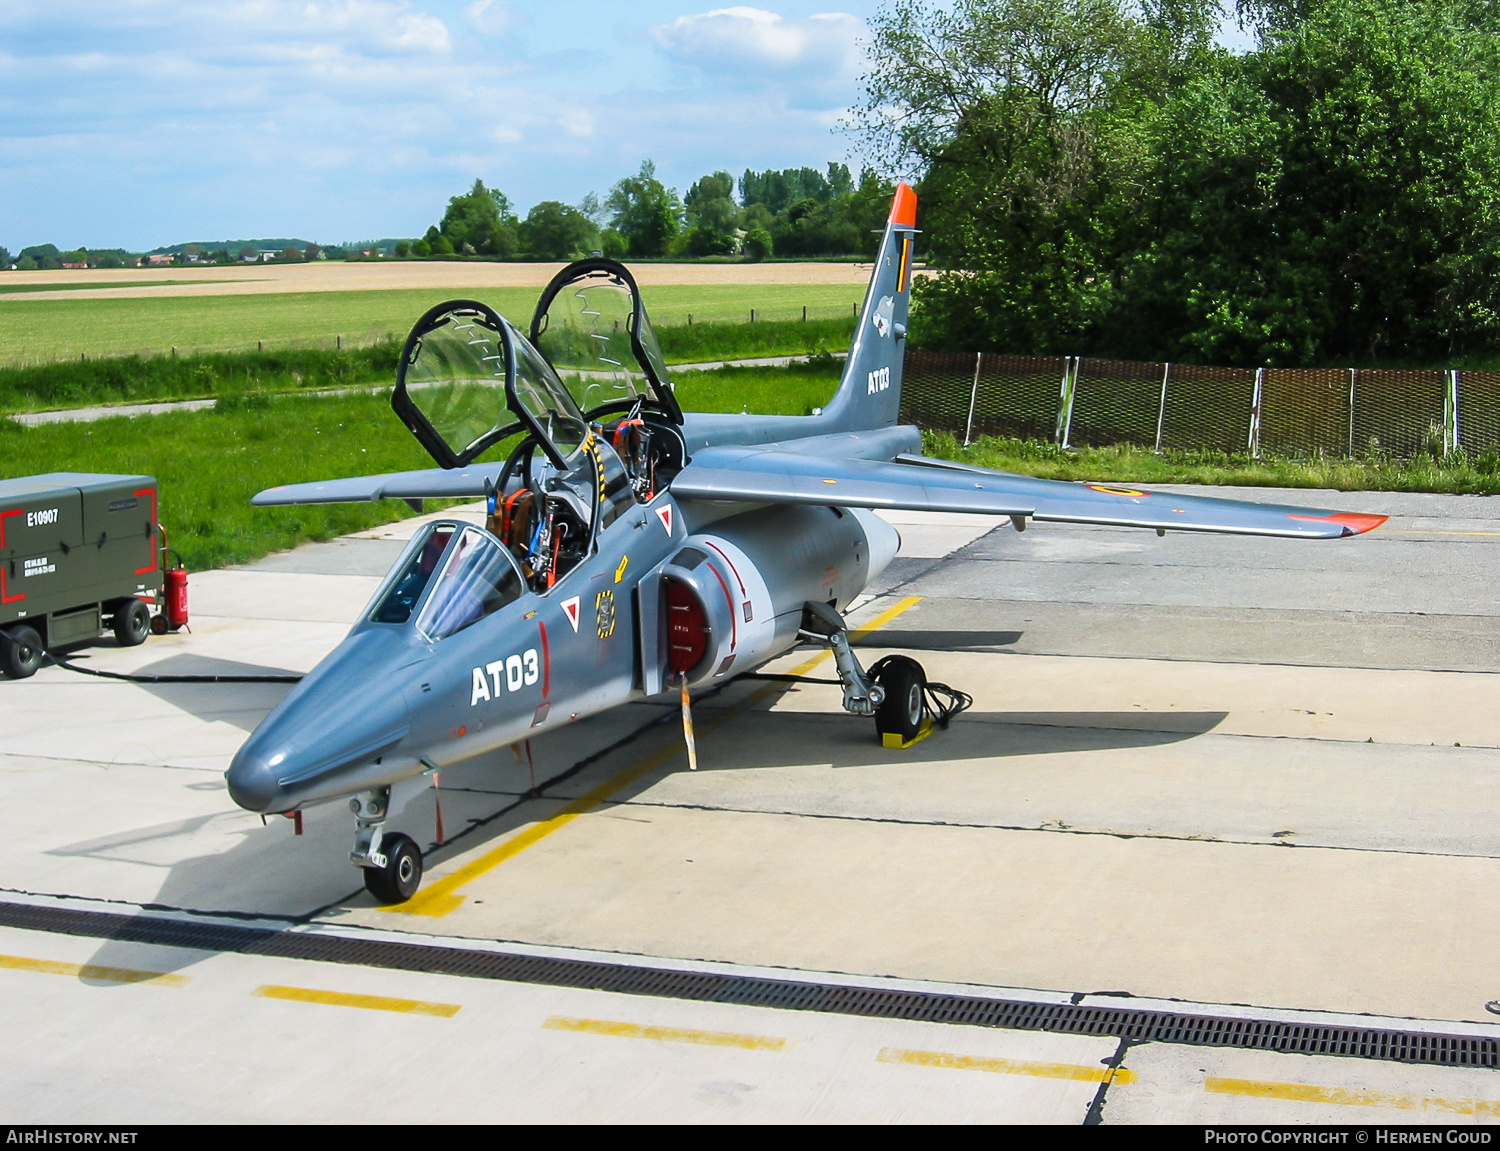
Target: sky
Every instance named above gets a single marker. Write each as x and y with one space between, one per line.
139 123
142 123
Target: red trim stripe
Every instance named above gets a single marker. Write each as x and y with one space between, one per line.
546 660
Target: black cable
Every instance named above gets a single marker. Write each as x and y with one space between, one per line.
59 661
788 678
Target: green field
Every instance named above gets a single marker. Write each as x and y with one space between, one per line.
38 331
209 463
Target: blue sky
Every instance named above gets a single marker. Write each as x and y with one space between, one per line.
146 122
139 123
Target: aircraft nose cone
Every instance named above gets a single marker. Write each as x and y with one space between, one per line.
252 782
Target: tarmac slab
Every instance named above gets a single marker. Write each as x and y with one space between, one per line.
1200 770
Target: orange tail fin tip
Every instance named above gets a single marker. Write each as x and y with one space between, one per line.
904 206
1354 522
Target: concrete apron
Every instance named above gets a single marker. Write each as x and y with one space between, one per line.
1219 833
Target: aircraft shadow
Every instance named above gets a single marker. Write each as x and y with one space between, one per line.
941 640
241 704
269 873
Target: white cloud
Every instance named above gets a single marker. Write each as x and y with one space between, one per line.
491 17
753 45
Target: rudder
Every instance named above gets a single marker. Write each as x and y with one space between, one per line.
869 393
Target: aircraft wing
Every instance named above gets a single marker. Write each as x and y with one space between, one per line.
429 483
918 483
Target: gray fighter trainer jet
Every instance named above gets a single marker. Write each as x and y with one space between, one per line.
631 549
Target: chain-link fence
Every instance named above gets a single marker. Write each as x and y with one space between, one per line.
1287 411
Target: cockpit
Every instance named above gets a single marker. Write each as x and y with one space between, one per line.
449 577
583 411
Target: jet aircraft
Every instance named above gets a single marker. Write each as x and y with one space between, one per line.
631 548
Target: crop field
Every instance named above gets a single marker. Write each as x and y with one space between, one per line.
44 330
209 463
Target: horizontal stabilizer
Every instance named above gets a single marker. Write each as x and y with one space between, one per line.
919 483
429 483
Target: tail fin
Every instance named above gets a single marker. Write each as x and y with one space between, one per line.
869 394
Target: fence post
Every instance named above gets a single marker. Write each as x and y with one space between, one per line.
1254 444
1353 375
1450 412
1161 412
973 394
1065 408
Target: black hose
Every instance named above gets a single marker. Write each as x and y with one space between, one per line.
64 663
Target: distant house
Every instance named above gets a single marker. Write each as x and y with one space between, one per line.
158 261
68 265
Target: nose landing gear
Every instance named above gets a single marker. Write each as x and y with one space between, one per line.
392 863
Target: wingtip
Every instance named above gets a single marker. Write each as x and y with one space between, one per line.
904 206
1353 523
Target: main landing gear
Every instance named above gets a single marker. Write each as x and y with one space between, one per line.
392 863
906 706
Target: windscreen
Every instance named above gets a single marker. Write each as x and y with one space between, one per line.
542 396
411 579
477 579
455 375
587 339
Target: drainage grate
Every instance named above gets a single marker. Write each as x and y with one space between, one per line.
706 986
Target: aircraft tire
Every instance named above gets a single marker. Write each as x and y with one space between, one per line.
132 623
905 703
20 652
399 879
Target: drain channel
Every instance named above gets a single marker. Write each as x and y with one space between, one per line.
713 987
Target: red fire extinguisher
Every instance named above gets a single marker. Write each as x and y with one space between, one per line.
174 615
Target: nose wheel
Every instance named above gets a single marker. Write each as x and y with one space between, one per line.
398 880
904 709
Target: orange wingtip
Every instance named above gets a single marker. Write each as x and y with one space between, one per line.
904 207
1354 523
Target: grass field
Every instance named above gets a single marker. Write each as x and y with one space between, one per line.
1458 472
125 379
38 331
209 463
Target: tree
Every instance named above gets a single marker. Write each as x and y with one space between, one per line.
1335 194
403 249
557 231
1030 121
421 248
312 252
249 252
481 218
757 244
291 255
645 212
712 215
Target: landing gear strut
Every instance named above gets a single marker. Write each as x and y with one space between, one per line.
392 863
822 624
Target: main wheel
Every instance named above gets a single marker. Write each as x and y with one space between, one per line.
20 652
132 623
399 879
904 706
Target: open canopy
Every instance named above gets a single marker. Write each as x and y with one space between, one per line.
467 380
593 329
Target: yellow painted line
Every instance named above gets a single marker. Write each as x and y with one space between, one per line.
1350 1096
92 971
368 1002
666 1034
1076 1071
440 898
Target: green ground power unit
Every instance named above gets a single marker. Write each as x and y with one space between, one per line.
78 553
